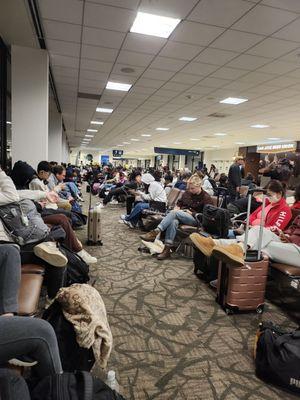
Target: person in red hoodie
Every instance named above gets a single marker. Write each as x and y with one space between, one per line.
296 205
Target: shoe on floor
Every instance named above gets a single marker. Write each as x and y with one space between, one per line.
87 257
232 254
165 254
128 223
20 362
150 236
123 217
204 244
49 252
114 202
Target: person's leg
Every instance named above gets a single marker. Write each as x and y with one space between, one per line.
10 276
129 204
253 237
136 212
285 253
32 337
178 217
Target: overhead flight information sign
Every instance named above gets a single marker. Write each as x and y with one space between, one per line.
276 147
176 152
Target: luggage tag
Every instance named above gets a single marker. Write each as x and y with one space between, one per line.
24 220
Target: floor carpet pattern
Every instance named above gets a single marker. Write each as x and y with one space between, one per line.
171 339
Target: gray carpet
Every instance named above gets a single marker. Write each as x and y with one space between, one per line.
171 339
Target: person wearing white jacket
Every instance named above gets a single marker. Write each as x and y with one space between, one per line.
155 192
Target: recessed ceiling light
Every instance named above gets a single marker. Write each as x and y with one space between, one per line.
120 145
146 135
187 119
92 130
97 122
127 70
124 87
126 142
233 100
154 25
274 138
104 110
177 142
220 134
194 139
162 129
215 146
135 140
239 142
89 135
260 126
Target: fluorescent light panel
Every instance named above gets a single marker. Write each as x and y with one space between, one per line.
233 100
187 119
260 126
274 138
104 110
135 140
124 87
97 123
146 135
194 139
89 135
92 130
162 129
154 25
220 134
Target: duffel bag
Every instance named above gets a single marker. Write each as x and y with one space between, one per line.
215 221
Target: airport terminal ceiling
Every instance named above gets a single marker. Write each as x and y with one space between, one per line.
247 49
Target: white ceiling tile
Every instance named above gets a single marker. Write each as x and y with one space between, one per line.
214 82
294 74
186 78
131 4
90 89
111 18
248 62
255 77
291 5
158 74
168 64
290 32
98 53
65 79
93 65
199 68
277 67
65 71
264 20
195 33
92 75
101 37
143 43
134 58
63 48
179 87
282 81
236 41
64 61
221 13
179 50
60 10
152 83
228 73
199 90
62 31
272 48
216 56
92 83
168 8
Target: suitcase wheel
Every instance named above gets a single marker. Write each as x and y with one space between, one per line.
260 309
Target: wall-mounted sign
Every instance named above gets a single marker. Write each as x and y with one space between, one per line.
117 153
104 160
176 152
276 147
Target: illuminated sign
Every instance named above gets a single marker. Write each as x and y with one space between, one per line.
276 147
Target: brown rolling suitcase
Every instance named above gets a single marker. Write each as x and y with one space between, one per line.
94 225
243 288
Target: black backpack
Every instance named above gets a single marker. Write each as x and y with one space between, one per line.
72 386
77 270
215 221
278 357
73 357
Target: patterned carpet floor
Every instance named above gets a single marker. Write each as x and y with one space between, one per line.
171 339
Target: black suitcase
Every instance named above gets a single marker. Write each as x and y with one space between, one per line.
205 268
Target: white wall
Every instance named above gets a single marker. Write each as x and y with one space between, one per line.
222 159
30 95
65 150
55 144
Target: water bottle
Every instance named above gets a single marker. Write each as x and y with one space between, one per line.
111 381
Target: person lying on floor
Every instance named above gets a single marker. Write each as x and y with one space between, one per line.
191 203
154 191
281 247
277 213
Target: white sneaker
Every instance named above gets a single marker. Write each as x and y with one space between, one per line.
123 217
49 252
99 205
114 202
128 223
87 257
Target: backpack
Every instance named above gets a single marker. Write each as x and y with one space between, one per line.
23 222
215 221
278 357
12 386
73 357
77 270
73 386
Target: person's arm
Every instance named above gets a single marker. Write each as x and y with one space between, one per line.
283 219
8 191
253 216
34 195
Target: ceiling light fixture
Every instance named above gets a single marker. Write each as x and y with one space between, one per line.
260 126
124 87
194 139
120 145
187 119
162 129
92 130
104 110
177 142
233 100
126 142
135 140
220 134
154 25
146 135
239 142
89 135
274 138
97 122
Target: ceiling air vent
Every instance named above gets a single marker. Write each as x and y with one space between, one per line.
218 115
89 96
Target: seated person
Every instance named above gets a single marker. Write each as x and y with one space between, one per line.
296 204
206 183
240 205
279 246
66 190
155 191
191 203
223 180
181 183
168 184
277 212
249 181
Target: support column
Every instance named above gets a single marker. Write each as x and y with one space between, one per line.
30 98
181 162
55 136
65 152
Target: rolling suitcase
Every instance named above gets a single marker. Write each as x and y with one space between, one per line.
243 288
94 225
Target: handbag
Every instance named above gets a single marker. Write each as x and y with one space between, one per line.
159 206
215 221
